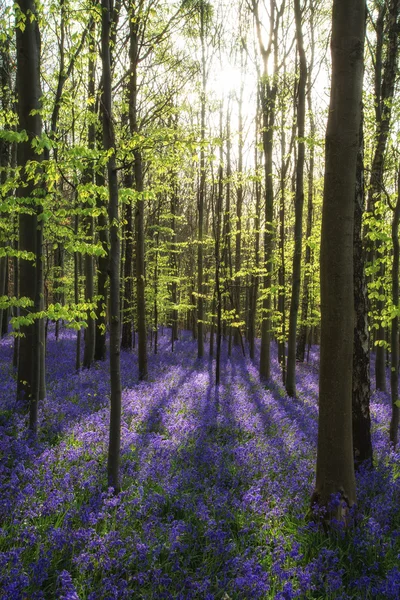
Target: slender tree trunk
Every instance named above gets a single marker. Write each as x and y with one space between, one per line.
102 276
302 337
58 280
156 288
17 312
257 220
239 205
4 291
218 257
385 78
335 464
174 265
362 445
227 251
201 194
113 465
139 210
268 91
127 323
76 297
394 373
299 201
90 332
5 157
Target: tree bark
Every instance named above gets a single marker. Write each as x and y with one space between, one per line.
5 158
239 205
299 201
113 465
102 275
127 323
335 465
201 194
90 332
268 90
30 230
385 78
362 445
139 209
305 303
394 372
257 220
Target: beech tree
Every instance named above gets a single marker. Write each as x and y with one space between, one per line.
299 201
30 228
335 467
385 74
113 215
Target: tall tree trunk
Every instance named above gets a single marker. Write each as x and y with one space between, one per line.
218 287
113 465
76 298
201 193
227 250
384 93
257 220
156 284
4 291
305 308
90 332
102 276
5 158
282 265
139 210
362 445
58 258
268 91
299 201
31 280
394 373
239 204
174 264
305 304
127 323
335 465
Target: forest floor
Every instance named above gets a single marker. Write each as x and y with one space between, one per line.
216 486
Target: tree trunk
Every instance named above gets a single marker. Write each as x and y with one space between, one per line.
218 290
102 277
90 332
5 157
4 291
394 373
362 445
257 220
299 201
139 210
127 323
76 298
239 205
335 465
113 465
174 264
305 308
201 194
268 91
384 93
31 280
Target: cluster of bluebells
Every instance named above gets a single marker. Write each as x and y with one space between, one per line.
216 487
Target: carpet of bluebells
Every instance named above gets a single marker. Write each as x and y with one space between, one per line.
216 487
